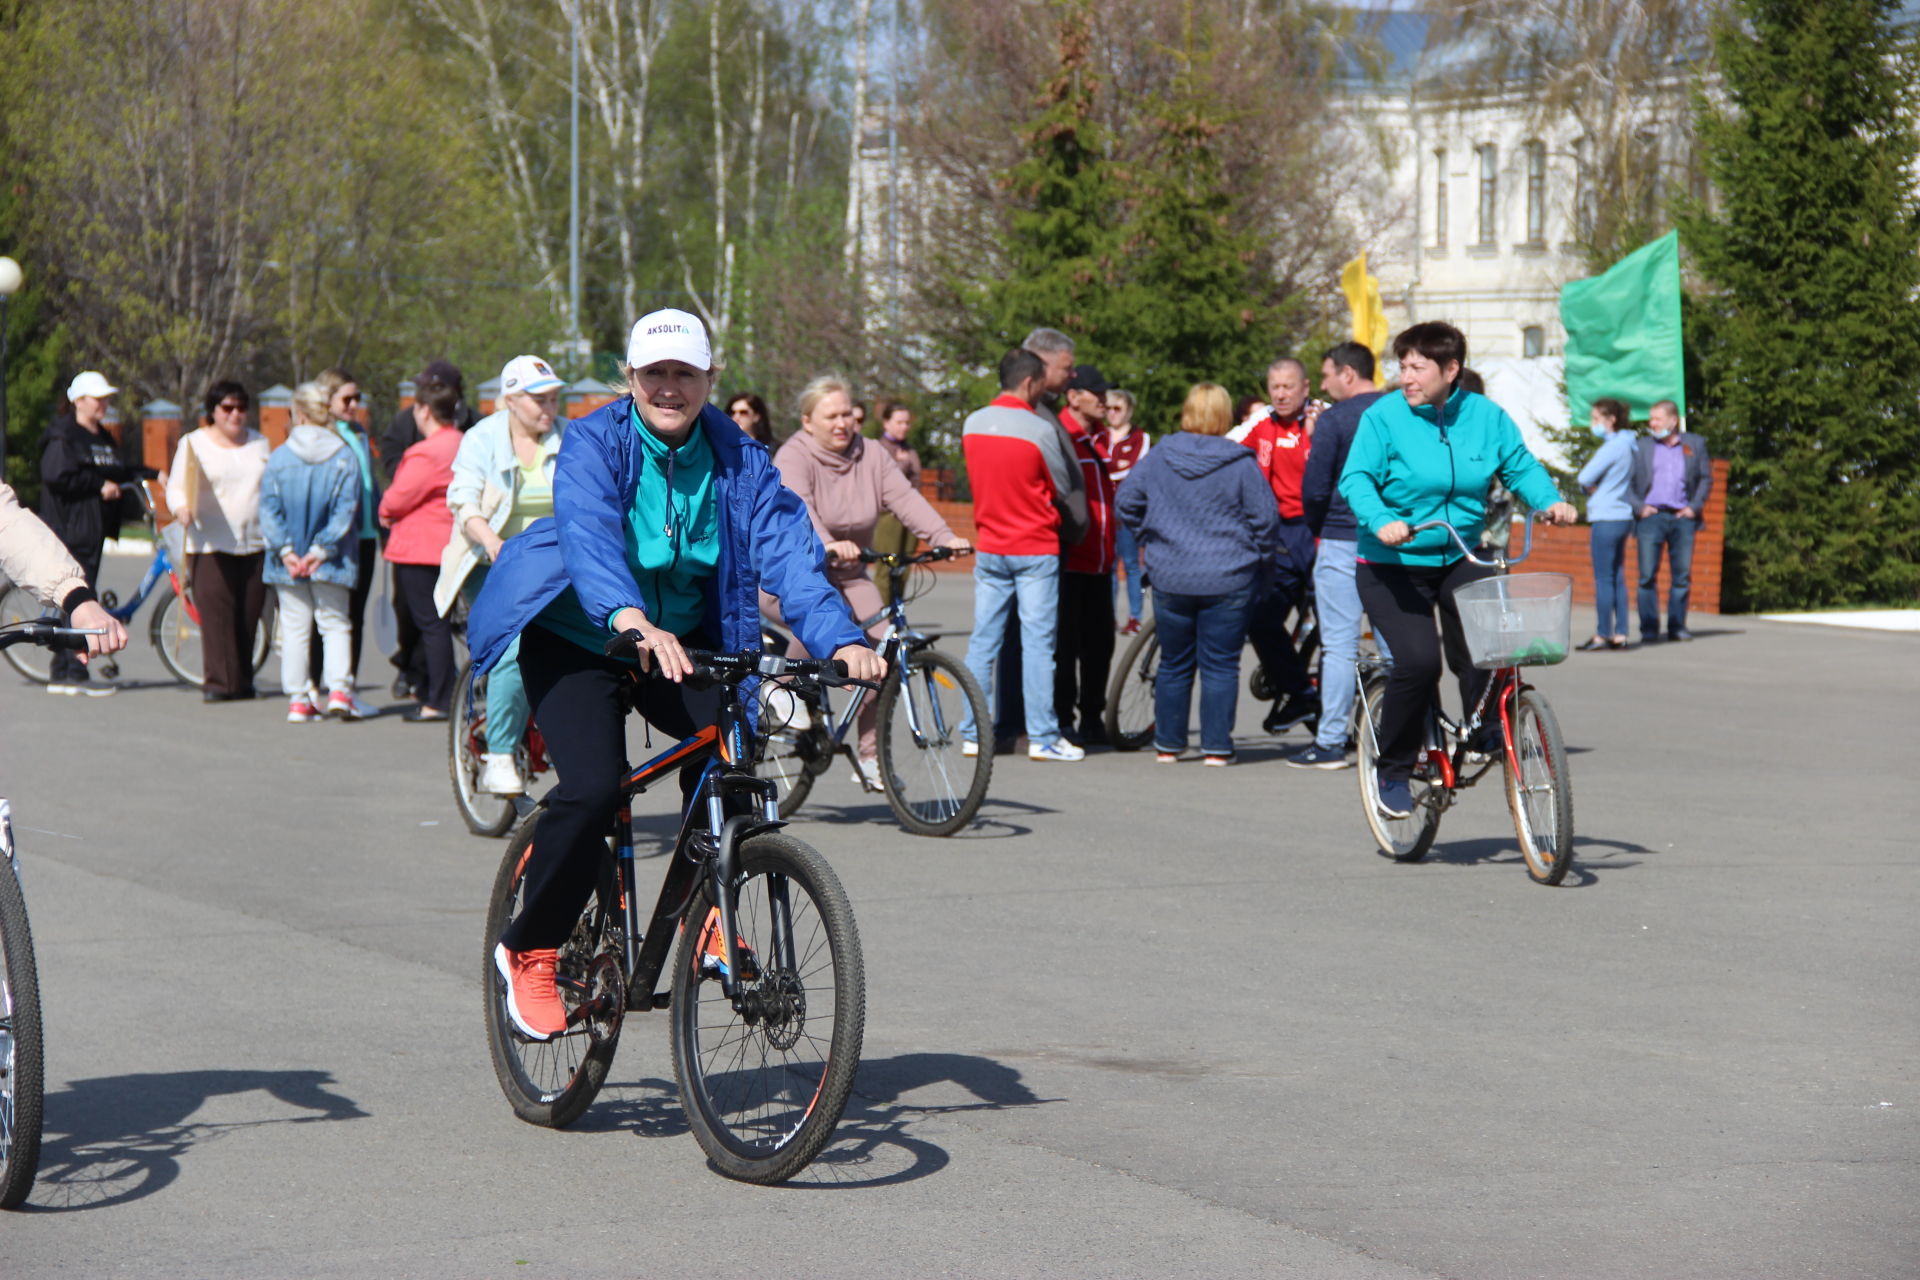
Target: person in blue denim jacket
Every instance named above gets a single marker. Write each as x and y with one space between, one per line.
309 497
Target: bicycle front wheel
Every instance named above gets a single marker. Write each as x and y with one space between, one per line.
765 1077
20 1046
1403 839
1540 789
551 1082
484 813
175 633
1129 717
33 661
935 788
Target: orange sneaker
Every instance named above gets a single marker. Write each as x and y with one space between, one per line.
533 999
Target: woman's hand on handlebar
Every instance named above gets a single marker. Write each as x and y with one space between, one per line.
1392 535
844 552
1560 513
959 546
862 663
655 646
93 616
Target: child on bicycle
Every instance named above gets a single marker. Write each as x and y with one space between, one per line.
668 521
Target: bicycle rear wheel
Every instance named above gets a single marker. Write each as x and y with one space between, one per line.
1129 717
33 661
764 1084
1403 839
1540 789
20 1045
176 637
484 813
551 1082
935 789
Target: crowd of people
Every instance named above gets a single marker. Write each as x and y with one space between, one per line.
663 518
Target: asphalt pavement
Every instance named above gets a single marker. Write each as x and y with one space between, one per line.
1142 1020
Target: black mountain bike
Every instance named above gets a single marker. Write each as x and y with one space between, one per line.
22 1052
767 987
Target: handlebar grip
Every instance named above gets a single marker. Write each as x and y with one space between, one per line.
624 645
839 668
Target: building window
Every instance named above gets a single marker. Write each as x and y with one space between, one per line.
1536 193
1533 342
1440 198
1489 190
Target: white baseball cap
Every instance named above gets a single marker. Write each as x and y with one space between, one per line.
90 384
669 335
529 375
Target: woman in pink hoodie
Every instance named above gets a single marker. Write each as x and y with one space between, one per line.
846 483
418 521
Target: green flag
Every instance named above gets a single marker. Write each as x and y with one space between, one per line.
1623 332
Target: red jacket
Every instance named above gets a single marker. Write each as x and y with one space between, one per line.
1095 552
414 508
1022 477
1281 450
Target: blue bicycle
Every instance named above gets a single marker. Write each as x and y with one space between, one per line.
174 627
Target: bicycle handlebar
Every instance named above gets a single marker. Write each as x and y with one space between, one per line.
34 631
869 556
732 668
1526 546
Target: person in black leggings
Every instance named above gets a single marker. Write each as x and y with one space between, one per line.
668 522
1428 452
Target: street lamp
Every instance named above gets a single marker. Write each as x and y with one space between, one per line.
10 278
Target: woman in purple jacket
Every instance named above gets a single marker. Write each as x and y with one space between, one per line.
1207 526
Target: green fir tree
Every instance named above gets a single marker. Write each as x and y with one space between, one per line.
1810 346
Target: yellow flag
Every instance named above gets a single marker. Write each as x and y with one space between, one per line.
1363 299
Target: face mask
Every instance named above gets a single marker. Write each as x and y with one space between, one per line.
1599 429
1659 435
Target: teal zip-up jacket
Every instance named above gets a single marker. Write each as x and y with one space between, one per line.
1407 464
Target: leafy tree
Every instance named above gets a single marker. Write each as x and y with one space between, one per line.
36 351
1811 249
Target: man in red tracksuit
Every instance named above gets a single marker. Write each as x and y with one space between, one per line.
1083 650
1280 442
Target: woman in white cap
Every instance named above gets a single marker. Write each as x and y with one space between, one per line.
668 521
502 482
81 475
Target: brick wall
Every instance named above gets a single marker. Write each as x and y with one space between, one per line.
1554 550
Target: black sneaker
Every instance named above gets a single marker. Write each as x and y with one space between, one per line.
1290 711
1315 756
1094 735
1679 635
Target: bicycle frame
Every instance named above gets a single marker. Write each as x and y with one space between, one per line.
897 644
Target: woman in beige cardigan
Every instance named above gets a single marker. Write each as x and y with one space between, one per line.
846 482
222 463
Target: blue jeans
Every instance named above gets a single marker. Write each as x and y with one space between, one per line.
1128 546
1608 541
1664 529
1207 632
1035 582
1337 602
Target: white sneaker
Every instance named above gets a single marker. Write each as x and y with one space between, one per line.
62 687
969 748
868 774
1059 749
786 709
500 775
98 688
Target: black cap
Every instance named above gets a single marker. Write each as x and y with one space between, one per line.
1087 378
443 372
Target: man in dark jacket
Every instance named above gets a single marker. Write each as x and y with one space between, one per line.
1668 486
1346 375
81 475
407 428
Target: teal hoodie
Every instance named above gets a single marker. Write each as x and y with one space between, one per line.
1406 464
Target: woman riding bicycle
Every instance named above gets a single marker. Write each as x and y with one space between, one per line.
667 521
1426 452
846 483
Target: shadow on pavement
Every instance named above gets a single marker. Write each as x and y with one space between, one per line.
873 1145
1590 853
992 822
119 1138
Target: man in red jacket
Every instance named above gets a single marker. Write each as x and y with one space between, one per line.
1280 443
1084 650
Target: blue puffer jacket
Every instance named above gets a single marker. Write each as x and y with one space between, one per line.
766 542
1204 514
310 497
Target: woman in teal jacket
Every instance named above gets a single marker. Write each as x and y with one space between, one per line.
1428 451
